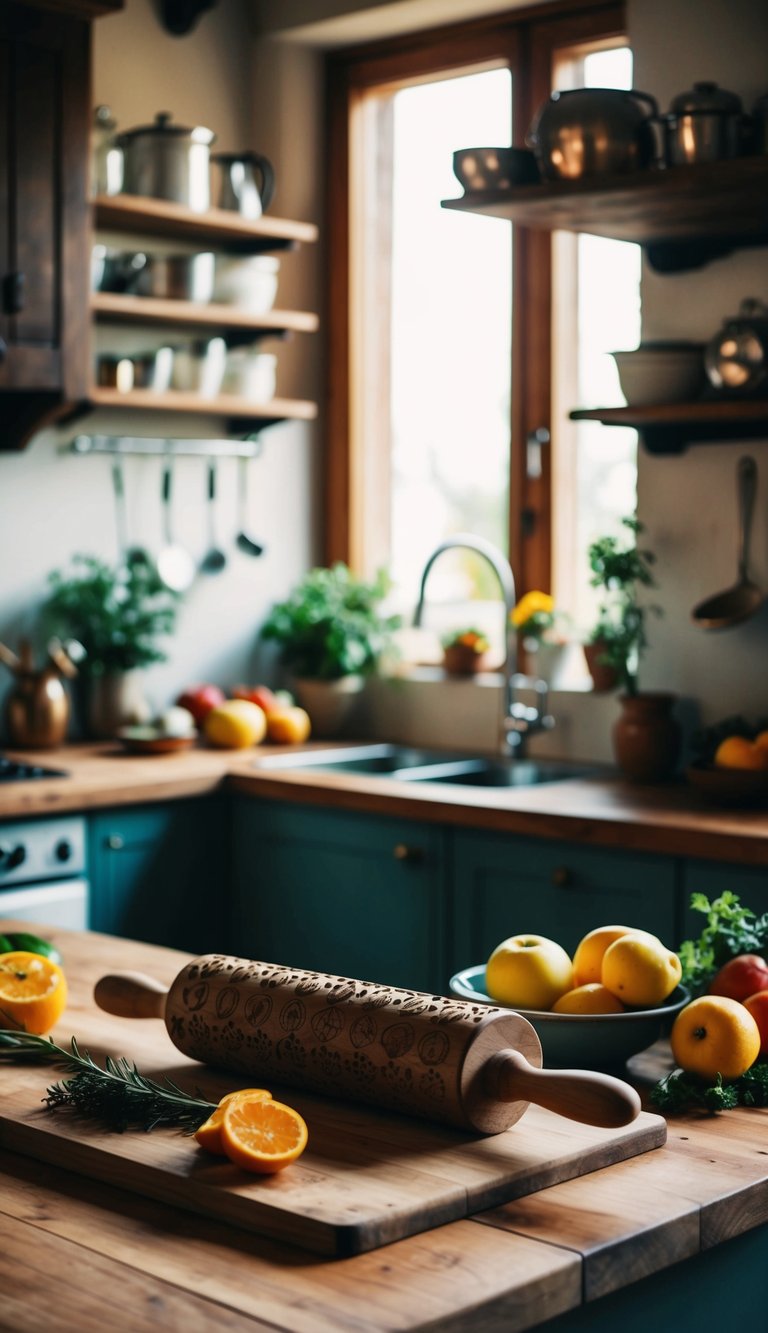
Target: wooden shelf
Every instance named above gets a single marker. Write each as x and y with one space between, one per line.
668 429
242 417
684 216
116 308
218 229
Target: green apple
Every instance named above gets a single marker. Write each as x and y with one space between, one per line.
528 972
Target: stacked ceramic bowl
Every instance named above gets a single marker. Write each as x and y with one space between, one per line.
661 372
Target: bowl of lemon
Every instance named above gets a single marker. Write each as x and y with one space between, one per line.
614 998
730 763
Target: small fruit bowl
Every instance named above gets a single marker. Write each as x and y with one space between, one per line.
584 1041
151 740
729 786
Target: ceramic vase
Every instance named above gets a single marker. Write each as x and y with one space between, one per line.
646 737
331 704
112 701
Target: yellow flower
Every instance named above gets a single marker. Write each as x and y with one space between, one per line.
531 604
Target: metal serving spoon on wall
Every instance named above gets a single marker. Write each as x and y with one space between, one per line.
243 539
744 598
175 565
214 559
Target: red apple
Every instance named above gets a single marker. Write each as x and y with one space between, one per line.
740 977
200 699
257 694
758 1007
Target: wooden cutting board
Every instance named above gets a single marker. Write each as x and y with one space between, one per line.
366 1179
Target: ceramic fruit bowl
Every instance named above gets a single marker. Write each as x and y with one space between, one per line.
729 786
150 740
584 1041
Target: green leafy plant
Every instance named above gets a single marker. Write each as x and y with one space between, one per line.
118 614
331 625
622 571
679 1091
730 930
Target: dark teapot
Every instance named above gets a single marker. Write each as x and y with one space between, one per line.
593 132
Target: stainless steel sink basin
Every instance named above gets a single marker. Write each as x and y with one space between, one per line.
408 764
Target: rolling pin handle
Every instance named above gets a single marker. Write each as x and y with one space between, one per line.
131 995
584 1095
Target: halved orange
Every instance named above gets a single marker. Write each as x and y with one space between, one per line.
33 992
262 1136
209 1133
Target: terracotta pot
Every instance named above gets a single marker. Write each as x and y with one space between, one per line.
460 660
331 704
604 676
646 737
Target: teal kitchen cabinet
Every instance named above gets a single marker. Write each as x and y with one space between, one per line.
712 878
504 886
340 892
161 873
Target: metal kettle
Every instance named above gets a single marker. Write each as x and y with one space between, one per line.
593 132
736 359
37 707
166 161
704 125
247 183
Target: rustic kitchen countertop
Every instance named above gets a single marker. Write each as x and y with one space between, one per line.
602 811
76 1254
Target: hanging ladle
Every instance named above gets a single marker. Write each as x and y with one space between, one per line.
214 559
742 600
175 564
135 557
244 541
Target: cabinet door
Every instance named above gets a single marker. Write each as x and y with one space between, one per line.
161 874
505 886
351 894
712 878
44 90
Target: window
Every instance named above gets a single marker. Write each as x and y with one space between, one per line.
442 334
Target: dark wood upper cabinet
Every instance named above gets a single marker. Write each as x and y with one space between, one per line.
44 226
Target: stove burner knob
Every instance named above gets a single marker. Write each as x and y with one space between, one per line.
10 857
64 850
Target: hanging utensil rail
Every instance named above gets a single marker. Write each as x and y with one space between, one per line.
127 444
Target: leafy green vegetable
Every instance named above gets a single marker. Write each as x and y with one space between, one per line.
730 930
679 1091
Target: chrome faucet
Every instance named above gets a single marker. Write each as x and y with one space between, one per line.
518 721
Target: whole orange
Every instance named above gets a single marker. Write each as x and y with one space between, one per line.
288 726
715 1035
33 992
589 999
738 752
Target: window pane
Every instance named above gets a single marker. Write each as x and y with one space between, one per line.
597 311
450 336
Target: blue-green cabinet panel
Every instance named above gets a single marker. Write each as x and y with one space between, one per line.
504 886
161 873
339 892
713 878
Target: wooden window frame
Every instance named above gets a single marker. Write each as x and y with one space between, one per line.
526 41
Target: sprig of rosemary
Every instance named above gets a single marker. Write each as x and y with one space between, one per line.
679 1091
117 1094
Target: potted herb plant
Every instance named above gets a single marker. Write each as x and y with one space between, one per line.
119 614
646 736
535 619
465 651
332 633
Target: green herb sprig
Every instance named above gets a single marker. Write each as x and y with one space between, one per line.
679 1091
730 930
118 1094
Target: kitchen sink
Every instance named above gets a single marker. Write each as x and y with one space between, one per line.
408 764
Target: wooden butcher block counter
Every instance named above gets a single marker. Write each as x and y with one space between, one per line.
603 810
673 1237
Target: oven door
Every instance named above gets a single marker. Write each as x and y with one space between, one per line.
62 902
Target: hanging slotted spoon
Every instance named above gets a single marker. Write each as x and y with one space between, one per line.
175 564
744 598
243 539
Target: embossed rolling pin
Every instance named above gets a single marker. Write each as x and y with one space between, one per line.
446 1060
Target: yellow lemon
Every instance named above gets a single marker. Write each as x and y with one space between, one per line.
588 958
640 971
593 998
528 972
235 724
715 1035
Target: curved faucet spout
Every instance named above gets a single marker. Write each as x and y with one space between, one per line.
516 721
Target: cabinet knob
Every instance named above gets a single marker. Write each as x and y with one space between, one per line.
562 877
402 852
115 843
